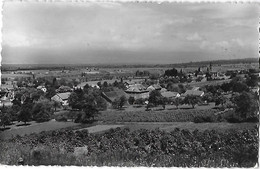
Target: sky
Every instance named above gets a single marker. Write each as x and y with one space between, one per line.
117 32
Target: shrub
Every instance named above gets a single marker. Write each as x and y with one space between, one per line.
233 119
131 100
201 119
61 118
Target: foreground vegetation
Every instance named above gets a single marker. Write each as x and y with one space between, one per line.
120 147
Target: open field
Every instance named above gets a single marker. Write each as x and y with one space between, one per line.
35 128
180 115
213 82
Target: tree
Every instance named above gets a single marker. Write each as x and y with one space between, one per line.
191 100
240 87
89 107
25 113
42 110
122 101
5 116
140 101
90 111
50 92
99 84
131 100
75 99
101 103
56 105
208 97
221 100
171 72
119 102
155 97
163 101
36 95
252 80
245 105
177 101
105 84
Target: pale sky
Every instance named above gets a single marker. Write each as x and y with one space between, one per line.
113 32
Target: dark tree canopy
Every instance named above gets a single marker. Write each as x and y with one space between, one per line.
171 72
246 105
155 97
192 100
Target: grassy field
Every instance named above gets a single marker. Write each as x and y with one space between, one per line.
214 82
35 128
176 115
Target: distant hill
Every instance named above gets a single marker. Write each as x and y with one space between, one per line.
14 67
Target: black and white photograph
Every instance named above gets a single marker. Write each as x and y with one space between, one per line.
129 84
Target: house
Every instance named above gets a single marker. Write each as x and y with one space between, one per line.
110 96
137 91
201 74
163 90
62 98
170 94
154 87
193 92
195 88
43 88
90 83
136 88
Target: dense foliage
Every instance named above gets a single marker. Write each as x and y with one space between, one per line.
88 101
120 147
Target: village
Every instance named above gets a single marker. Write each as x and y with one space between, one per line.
39 105
58 97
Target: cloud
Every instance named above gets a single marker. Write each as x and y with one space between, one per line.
135 27
15 39
238 42
194 37
223 44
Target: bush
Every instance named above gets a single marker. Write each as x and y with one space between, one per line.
201 119
78 118
131 100
42 117
61 118
252 119
121 147
233 119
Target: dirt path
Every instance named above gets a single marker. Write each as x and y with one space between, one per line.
99 128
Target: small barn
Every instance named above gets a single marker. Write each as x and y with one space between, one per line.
193 92
110 96
170 94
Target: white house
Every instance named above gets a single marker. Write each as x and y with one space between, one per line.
43 88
